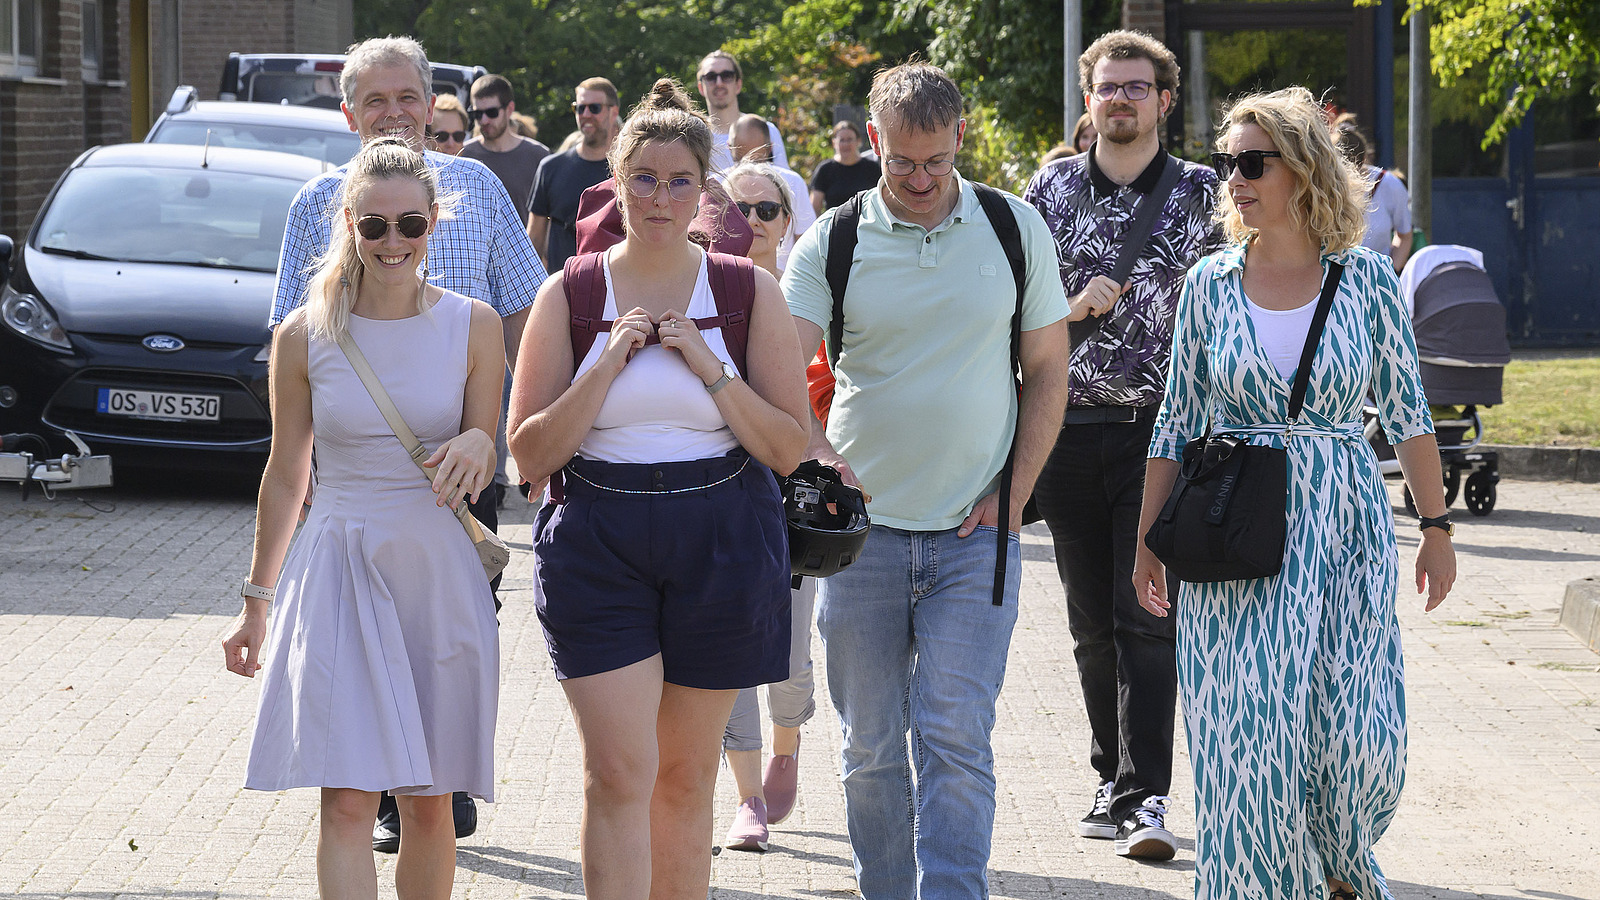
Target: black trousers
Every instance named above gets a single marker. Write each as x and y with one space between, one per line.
1089 494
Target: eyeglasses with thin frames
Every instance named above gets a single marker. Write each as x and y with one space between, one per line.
1133 90
374 227
902 168
680 188
726 76
1251 163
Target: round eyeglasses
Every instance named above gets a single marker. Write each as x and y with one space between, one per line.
679 188
411 226
1133 90
901 168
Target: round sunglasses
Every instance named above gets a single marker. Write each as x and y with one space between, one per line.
766 209
458 137
411 226
680 188
1250 163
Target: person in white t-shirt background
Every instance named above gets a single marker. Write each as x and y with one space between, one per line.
720 81
1389 213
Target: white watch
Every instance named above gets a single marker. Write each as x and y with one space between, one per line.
257 592
728 374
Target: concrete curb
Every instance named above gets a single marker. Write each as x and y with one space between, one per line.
1580 610
1548 463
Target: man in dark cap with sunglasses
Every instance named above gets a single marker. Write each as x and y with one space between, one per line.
563 177
480 251
1093 483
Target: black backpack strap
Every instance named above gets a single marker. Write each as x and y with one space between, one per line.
1006 229
841 255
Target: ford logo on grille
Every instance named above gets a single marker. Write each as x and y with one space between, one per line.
163 343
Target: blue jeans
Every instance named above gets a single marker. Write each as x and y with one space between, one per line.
916 654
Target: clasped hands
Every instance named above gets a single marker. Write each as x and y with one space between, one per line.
675 330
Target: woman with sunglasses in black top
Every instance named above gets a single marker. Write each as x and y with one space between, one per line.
1292 685
382 672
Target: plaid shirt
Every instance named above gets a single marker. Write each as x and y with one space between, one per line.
1124 363
483 251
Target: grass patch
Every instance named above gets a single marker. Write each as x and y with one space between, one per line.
1550 401
1519 614
1468 623
1567 667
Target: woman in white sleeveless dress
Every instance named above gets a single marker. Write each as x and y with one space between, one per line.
382 669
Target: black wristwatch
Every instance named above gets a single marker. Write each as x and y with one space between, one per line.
1443 522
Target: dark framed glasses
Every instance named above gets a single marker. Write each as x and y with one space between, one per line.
459 137
726 76
1133 90
901 168
374 227
766 209
593 109
1250 163
487 112
680 188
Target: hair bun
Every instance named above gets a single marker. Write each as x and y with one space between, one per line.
667 94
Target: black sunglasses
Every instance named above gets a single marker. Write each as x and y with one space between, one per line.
1250 163
459 137
766 209
727 76
593 109
374 227
487 112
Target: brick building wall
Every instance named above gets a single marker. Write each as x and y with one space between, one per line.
1149 16
214 28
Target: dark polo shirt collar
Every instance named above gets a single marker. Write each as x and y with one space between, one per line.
1144 184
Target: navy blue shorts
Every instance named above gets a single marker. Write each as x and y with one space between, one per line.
624 570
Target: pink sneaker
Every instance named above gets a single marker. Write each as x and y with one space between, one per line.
781 784
749 828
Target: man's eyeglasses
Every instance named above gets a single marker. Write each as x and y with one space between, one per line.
1133 90
458 137
593 109
485 112
1250 163
726 76
766 209
680 188
374 227
900 168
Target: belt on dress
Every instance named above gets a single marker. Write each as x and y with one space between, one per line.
1108 415
1349 433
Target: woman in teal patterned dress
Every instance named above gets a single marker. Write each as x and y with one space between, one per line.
1292 686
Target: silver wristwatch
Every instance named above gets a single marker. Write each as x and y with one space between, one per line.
728 374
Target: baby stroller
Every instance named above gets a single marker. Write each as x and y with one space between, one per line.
1460 328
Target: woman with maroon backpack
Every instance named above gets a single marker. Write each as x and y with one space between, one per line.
661 566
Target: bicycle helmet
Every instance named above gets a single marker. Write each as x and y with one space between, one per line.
822 540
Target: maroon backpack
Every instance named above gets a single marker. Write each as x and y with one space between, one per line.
733 286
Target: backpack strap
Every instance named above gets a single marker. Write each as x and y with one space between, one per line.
733 286
841 254
1006 229
584 279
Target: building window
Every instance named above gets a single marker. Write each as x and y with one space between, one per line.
21 35
93 37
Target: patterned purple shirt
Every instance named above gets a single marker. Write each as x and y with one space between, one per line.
1124 363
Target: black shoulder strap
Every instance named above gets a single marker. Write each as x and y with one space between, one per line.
1006 229
841 254
1302 375
1134 240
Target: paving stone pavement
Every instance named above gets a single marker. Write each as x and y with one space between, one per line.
125 741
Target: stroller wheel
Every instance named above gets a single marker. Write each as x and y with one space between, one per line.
1452 485
1480 494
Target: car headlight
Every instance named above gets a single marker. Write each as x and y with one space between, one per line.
31 317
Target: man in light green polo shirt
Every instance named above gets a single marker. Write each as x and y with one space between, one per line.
923 417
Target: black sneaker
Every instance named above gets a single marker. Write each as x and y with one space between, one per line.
386 833
1144 834
1097 824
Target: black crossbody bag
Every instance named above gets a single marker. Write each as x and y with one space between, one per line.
1227 516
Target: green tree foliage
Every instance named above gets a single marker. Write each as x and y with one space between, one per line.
1519 50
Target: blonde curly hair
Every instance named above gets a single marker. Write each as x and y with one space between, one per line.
1330 197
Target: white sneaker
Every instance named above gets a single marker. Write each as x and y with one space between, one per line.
1144 834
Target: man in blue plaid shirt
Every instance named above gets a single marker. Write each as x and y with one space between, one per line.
481 251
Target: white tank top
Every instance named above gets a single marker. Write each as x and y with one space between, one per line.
1282 333
657 410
